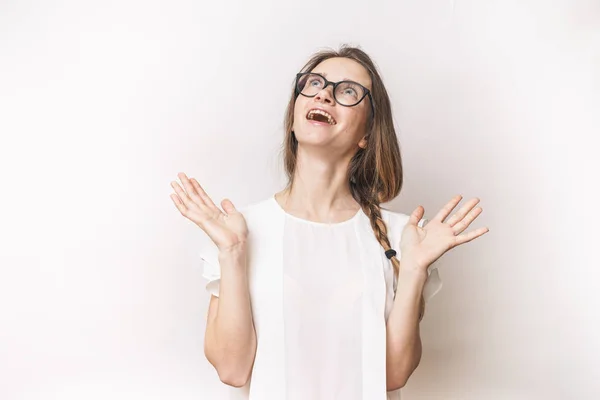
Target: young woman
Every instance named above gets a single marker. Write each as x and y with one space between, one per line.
317 291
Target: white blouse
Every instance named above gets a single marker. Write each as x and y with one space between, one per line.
320 295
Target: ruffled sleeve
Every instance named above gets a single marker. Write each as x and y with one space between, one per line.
209 254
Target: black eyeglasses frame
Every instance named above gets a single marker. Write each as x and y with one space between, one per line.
367 92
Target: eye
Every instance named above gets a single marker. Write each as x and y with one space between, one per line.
350 92
315 82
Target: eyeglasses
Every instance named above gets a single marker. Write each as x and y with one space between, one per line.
345 93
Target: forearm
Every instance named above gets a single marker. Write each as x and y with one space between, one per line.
403 336
230 336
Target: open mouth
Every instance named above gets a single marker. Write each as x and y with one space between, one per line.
320 116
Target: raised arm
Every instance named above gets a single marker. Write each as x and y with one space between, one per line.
420 248
230 339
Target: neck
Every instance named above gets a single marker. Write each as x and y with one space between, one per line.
320 190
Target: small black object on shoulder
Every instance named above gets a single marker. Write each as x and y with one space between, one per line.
390 253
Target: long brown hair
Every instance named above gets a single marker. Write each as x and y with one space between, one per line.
374 173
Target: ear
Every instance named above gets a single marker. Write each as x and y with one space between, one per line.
363 143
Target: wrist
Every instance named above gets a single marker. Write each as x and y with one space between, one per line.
412 270
233 252
413 261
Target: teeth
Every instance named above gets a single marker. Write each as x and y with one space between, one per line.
321 112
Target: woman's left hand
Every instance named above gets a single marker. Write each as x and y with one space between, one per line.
423 246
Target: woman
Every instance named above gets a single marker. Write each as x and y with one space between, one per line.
317 291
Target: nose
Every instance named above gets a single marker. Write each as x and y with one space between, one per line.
325 95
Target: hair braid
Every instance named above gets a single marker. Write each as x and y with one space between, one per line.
373 211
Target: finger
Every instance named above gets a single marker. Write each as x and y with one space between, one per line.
191 190
467 220
467 237
447 209
204 196
179 204
183 196
464 210
186 212
416 215
228 206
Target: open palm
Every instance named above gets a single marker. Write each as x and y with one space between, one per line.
226 229
425 245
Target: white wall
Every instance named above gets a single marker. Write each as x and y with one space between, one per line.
102 103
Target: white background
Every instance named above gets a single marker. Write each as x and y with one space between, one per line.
102 103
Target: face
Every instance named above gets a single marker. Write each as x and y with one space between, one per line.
344 127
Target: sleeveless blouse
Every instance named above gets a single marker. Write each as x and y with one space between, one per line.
320 297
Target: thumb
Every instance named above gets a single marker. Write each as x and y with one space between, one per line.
416 215
228 206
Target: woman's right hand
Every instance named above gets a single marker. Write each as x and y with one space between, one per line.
227 230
